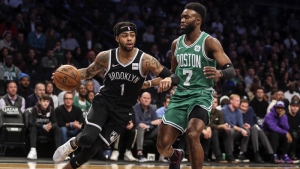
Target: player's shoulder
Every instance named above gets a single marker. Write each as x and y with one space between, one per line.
175 41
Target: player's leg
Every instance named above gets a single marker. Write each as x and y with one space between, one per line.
166 137
198 120
85 154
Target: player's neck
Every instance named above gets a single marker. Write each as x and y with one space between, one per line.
193 36
127 54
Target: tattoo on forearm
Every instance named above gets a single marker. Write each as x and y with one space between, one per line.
151 61
94 68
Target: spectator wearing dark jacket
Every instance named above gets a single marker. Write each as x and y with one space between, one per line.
250 123
258 104
146 123
277 128
43 122
294 123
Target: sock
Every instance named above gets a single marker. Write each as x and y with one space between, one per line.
127 150
73 145
32 148
174 156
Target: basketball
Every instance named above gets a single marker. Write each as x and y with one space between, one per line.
66 78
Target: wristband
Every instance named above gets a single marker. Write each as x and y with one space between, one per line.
71 125
150 84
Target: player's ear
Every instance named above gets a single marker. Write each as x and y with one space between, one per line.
117 39
199 20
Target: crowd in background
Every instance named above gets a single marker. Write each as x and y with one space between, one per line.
260 38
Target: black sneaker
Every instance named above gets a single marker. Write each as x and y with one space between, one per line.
243 159
231 159
176 164
141 158
258 159
293 156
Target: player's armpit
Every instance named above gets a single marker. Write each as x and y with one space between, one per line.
101 61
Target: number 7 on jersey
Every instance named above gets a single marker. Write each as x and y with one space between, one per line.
188 78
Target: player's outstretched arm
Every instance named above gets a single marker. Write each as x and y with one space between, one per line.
150 63
214 50
101 61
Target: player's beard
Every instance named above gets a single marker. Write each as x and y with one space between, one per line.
188 29
123 46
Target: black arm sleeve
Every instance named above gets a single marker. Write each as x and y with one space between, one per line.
167 73
228 71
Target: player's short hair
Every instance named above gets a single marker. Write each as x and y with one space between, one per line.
45 97
199 8
124 26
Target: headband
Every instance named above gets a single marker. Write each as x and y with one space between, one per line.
124 29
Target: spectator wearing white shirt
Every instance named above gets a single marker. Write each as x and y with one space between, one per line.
217 24
289 42
291 92
148 35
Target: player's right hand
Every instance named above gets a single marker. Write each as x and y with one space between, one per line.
165 84
52 77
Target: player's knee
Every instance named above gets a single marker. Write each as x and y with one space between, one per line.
162 145
192 135
84 141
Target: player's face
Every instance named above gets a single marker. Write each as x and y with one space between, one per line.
126 40
24 82
44 103
244 107
189 21
12 89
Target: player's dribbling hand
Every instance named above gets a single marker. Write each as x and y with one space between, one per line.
211 73
164 85
146 85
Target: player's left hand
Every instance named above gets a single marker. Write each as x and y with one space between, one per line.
211 73
164 84
146 85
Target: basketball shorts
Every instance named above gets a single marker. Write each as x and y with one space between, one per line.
110 118
182 108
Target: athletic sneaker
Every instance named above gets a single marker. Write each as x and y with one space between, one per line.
128 156
176 164
63 151
114 155
141 158
32 154
287 159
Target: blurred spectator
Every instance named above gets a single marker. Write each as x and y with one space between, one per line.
294 122
148 36
24 88
130 136
233 116
250 123
146 123
58 52
218 126
37 39
291 92
258 103
4 52
78 55
289 42
20 45
8 71
90 95
33 99
12 98
8 25
87 42
276 128
89 60
7 41
69 60
274 98
19 62
69 118
224 100
43 122
50 39
161 111
49 91
249 77
68 42
80 100
49 64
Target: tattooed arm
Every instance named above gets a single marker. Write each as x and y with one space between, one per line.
101 61
149 63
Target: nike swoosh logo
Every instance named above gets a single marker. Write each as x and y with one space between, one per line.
130 114
180 48
114 65
77 163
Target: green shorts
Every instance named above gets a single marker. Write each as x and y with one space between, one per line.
183 102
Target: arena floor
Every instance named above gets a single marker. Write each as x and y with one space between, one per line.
23 163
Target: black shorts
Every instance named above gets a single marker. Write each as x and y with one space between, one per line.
200 113
110 118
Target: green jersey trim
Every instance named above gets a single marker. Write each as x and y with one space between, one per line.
183 37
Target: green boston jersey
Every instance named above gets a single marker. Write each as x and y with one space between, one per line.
191 61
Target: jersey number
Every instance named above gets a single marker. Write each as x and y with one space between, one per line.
122 90
188 78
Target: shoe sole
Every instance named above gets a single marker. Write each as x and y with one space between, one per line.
127 159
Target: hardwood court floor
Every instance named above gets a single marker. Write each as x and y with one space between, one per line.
116 166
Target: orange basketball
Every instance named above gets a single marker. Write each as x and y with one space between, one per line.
66 77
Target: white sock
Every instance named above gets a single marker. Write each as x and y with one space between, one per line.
33 148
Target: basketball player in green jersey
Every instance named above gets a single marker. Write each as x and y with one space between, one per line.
195 55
